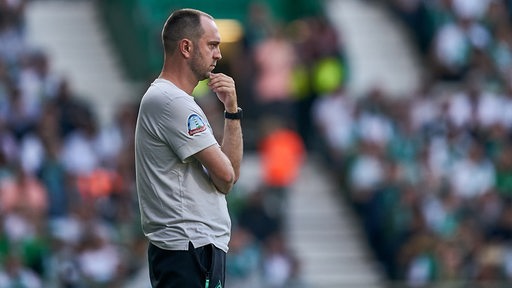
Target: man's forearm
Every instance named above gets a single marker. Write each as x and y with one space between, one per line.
232 144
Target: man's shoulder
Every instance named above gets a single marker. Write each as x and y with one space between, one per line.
162 91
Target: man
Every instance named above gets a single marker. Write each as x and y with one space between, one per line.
182 173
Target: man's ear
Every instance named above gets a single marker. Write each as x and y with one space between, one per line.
186 47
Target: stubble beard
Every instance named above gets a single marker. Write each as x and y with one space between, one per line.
198 67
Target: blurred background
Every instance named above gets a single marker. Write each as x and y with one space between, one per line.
377 135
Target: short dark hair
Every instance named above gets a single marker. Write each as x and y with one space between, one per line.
183 23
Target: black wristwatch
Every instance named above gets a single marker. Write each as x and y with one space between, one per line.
234 116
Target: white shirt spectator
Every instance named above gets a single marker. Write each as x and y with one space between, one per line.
333 115
478 35
25 278
470 9
109 143
78 154
277 269
374 128
12 45
451 46
32 153
472 176
490 109
423 111
366 173
100 264
460 110
36 88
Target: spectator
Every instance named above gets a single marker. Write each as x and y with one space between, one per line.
473 176
23 192
37 83
277 262
333 115
243 260
257 218
16 275
99 261
275 58
282 153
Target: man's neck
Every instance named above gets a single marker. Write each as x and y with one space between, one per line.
179 82
180 75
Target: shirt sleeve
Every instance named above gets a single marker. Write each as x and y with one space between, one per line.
186 129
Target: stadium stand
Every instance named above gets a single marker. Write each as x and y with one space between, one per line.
429 174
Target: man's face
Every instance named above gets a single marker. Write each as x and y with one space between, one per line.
207 50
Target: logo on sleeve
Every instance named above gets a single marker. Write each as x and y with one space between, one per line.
195 124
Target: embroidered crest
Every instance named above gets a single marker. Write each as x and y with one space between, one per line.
195 124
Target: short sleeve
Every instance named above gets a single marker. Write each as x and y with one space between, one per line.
185 128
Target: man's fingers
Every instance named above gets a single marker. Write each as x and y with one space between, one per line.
223 82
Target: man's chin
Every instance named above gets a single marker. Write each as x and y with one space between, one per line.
206 76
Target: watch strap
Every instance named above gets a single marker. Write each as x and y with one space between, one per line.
234 116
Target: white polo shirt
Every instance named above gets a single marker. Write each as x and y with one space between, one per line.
177 199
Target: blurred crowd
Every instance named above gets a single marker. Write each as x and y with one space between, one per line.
430 173
68 212
457 37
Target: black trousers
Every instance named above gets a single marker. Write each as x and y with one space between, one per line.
202 267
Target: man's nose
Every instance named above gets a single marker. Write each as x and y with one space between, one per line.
217 55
